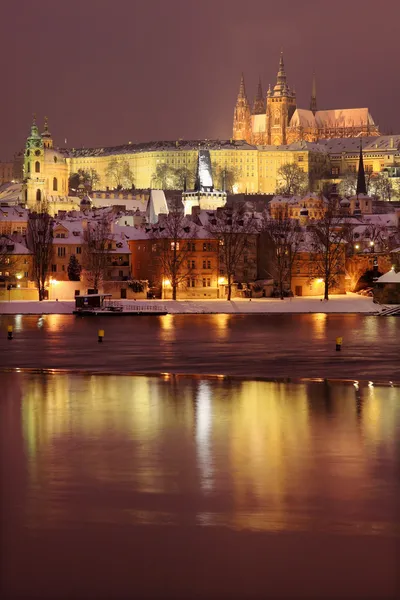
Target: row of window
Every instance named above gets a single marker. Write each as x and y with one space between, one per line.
61 251
191 264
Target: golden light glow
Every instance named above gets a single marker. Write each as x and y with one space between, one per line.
19 275
166 282
222 281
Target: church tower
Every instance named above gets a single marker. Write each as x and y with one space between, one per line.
281 104
34 181
242 115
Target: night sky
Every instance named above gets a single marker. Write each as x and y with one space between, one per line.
107 72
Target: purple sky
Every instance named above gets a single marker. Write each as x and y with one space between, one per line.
106 72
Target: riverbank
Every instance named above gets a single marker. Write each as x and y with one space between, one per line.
344 304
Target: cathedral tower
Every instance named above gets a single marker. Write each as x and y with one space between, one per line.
242 115
281 104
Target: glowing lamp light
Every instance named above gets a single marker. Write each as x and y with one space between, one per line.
19 276
372 243
221 280
357 246
167 282
319 280
53 281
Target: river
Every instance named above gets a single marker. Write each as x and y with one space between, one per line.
247 346
193 486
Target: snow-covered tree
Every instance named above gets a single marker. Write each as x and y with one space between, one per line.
74 269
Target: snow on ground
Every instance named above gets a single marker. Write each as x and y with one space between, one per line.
349 303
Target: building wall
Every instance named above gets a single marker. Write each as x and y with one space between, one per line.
6 172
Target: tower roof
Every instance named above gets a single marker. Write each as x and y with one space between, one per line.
242 90
281 87
361 185
259 105
34 128
313 102
46 133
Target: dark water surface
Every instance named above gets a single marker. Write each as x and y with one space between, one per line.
250 346
182 487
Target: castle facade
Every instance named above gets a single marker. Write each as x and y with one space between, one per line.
276 120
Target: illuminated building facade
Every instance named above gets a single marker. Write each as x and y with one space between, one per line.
277 120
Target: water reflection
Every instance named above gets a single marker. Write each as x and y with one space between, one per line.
246 455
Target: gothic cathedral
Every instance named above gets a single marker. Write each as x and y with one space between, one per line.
277 121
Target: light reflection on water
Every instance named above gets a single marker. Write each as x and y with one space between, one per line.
119 486
247 455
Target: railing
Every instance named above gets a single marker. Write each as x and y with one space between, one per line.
389 311
136 307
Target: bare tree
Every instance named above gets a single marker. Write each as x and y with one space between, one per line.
96 249
328 238
234 229
183 178
175 235
120 173
348 184
381 186
226 177
284 236
291 180
90 179
163 177
40 242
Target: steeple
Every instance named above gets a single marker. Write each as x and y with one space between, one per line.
259 104
281 83
46 135
34 128
242 90
242 115
313 103
361 185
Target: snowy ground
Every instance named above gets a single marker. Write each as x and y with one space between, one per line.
349 303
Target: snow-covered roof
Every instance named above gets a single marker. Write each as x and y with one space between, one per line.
11 192
157 205
389 277
302 118
343 117
15 247
383 143
13 213
160 146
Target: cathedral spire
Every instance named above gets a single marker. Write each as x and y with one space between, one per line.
242 89
361 185
281 87
34 128
259 105
313 103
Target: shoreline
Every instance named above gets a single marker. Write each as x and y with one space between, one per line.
338 304
182 375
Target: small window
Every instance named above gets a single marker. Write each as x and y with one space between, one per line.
37 167
55 184
54 268
38 195
78 250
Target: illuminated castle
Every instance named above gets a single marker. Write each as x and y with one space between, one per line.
278 121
